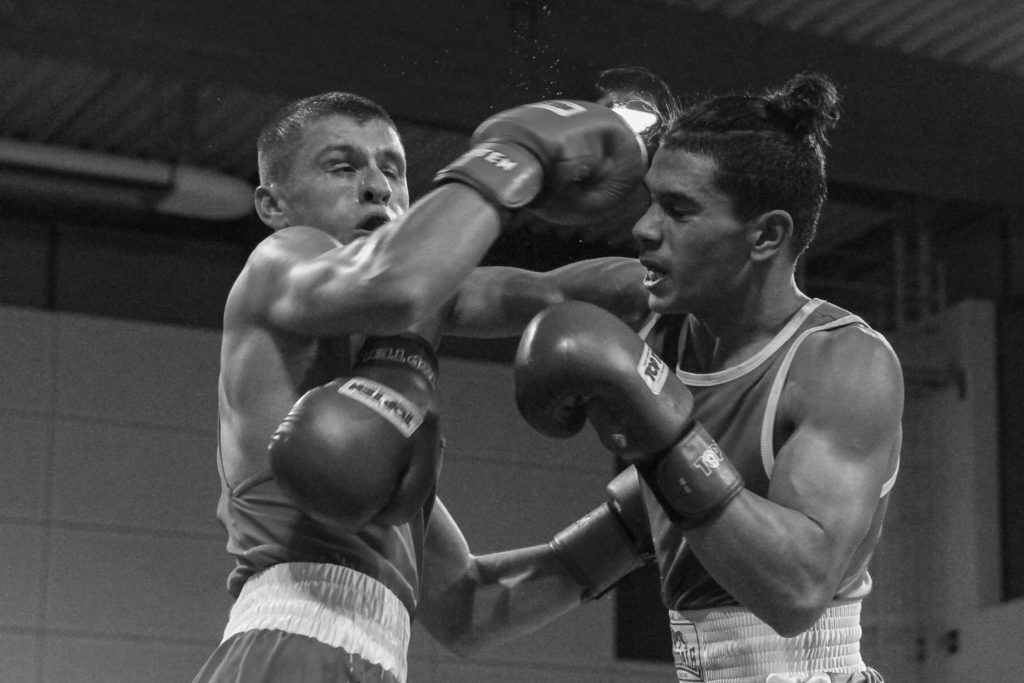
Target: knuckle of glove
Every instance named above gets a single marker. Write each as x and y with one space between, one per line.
589 157
577 359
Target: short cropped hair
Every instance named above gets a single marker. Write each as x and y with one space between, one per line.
280 137
769 148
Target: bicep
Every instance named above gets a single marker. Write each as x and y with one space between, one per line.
846 406
306 283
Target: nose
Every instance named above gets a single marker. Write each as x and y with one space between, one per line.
375 187
645 230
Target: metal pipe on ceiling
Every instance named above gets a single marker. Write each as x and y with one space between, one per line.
175 189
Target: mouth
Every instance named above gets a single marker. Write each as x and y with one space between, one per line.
371 223
653 276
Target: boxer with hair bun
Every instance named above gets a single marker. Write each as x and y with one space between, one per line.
764 425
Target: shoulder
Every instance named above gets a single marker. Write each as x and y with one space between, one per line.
266 268
846 370
289 244
852 352
284 249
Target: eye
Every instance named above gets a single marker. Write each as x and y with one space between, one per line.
339 166
677 211
393 169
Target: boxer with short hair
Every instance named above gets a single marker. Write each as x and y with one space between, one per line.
329 441
764 425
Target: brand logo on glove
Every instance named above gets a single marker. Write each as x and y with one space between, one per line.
393 354
496 159
561 107
652 370
709 460
387 403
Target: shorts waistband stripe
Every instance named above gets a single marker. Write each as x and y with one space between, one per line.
731 644
335 605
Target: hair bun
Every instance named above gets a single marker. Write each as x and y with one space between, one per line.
808 104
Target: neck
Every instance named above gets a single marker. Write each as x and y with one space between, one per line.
738 328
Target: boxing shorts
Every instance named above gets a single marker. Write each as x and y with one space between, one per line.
731 645
312 622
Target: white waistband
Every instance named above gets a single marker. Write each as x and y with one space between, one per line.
336 605
731 645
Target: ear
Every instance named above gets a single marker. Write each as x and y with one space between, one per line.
771 232
270 207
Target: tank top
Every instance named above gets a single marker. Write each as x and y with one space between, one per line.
264 529
738 406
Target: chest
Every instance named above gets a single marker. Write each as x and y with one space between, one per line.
742 415
322 360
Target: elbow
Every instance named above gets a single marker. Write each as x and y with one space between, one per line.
792 623
798 613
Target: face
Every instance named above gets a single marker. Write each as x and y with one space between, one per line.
346 178
696 250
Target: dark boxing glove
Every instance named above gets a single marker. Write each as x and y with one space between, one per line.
610 542
577 362
566 160
364 447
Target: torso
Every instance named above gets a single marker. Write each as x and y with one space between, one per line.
263 372
739 406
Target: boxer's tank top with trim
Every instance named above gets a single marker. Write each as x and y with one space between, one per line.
264 528
738 406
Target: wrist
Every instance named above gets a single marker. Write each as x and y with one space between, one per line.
504 173
407 350
693 480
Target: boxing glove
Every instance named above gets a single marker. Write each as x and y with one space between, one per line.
577 362
611 541
567 160
364 447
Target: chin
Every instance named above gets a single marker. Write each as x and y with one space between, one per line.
664 306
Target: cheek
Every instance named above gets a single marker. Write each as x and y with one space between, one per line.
400 197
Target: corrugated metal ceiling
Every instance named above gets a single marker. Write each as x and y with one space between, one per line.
988 34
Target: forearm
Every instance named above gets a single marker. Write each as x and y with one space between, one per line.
500 301
434 249
473 602
771 559
503 596
612 283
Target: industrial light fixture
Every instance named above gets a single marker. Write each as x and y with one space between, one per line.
46 172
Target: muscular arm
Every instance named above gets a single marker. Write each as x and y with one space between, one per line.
499 301
784 556
309 284
469 602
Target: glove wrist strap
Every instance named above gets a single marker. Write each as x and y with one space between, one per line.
693 480
506 174
402 350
